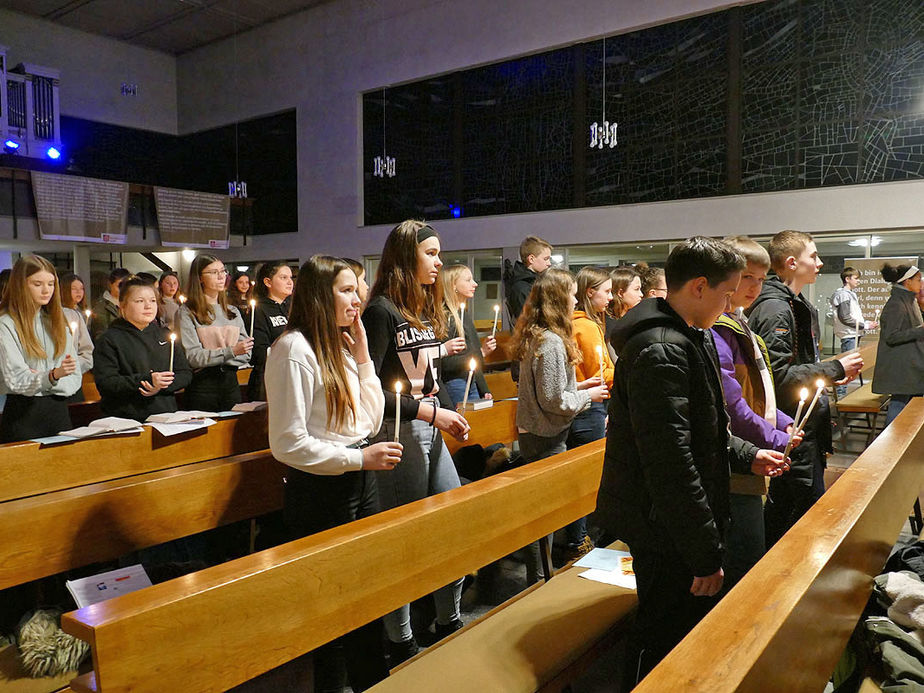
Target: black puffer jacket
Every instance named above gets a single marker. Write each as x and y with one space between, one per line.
668 450
518 282
789 327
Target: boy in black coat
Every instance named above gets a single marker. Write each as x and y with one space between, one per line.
664 489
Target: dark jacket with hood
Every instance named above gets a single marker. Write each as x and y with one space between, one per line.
788 325
668 450
900 355
123 357
518 282
269 321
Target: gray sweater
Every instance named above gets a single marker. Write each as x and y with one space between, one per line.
548 398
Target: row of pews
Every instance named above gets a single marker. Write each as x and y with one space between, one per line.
782 628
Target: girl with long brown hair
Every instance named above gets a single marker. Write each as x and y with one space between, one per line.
325 403
406 325
458 296
38 357
627 293
213 334
168 286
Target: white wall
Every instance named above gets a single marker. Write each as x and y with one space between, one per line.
92 71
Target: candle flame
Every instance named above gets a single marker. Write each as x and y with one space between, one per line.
88 312
74 326
181 298
820 384
496 308
172 337
397 388
803 394
599 350
472 364
253 302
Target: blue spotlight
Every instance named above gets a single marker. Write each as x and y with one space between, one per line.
456 212
53 153
11 146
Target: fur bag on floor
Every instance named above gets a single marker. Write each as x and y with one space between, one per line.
45 649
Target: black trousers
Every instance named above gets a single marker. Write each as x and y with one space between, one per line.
666 611
213 389
25 417
314 503
790 498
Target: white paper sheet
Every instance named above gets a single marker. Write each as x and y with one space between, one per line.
608 566
174 429
98 588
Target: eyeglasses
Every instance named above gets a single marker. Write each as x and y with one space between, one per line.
659 290
220 273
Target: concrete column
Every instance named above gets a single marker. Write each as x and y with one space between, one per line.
82 268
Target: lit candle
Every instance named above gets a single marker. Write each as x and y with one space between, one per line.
181 298
803 395
820 384
600 359
468 383
88 313
253 305
172 344
496 313
462 314
398 410
74 327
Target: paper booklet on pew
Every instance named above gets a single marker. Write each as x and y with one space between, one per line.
111 425
177 422
249 406
98 588
476 404
181 416
608 566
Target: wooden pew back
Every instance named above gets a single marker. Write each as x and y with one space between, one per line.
501 385
497 424
785 625
210 630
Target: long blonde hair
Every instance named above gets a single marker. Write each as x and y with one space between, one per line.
449 275
314 316
18 304
396 279
549 307
196 301
590 278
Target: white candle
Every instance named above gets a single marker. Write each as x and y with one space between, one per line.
496 313
468 383
172 344
803 395
253 305
820 385
462 314
88 313
398 410
74 327
600 359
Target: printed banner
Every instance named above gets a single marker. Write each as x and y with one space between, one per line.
71 208
193 219
873 291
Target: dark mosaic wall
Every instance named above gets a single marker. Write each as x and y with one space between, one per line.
778 95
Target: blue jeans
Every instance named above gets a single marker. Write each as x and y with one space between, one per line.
847 343
426 469
896 404
588 426
455 388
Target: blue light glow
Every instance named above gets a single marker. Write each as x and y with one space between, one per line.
53 153
456 212
11 145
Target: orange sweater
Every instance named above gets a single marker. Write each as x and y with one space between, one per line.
589 335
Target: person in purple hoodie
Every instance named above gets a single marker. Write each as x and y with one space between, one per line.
751 405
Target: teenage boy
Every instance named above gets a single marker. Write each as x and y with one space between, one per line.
653 283
664 489
750 403
535 258
848 318
788 324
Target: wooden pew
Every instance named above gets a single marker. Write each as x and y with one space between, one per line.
91 393
497 424
53 532
785 625
308 592
29 468
501 385
500 356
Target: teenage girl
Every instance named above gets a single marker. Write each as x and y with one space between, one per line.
627 293
325 403
360 272
240 291
458 290
214 337
73 295
406 323
167 286
132 369
38 360
271 315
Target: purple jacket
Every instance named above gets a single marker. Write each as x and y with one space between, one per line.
745 423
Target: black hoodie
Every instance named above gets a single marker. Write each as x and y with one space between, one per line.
123 357
788 325
269 321
518 282
668 450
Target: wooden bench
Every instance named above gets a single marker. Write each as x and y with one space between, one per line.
91 393
785 625
497 424
501 385
865 402
500 357
210 630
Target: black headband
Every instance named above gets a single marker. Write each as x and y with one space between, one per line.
425 232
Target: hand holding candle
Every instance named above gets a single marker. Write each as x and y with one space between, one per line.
397 410
803 395
172 345
820 385
468 383
496 313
